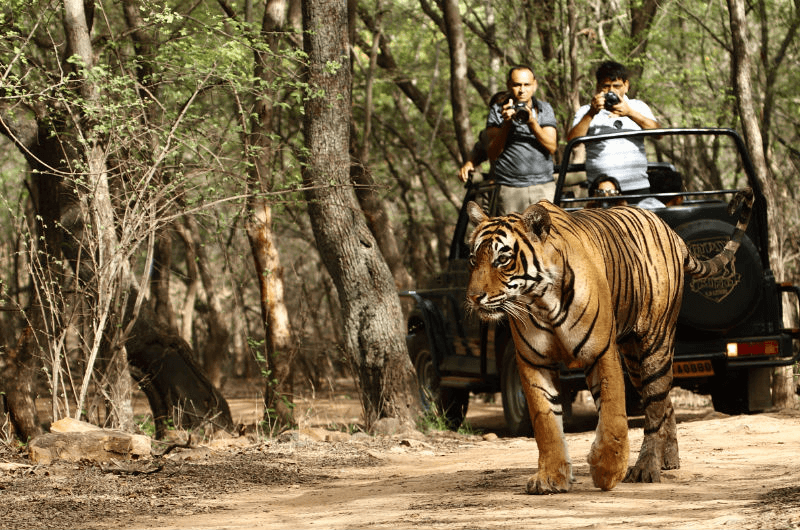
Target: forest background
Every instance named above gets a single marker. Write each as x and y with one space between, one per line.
188 187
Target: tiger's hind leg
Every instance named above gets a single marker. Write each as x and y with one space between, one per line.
660 445
671 458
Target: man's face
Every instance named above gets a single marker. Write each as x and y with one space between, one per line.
522 84
618 86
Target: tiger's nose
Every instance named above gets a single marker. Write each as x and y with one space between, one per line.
475 296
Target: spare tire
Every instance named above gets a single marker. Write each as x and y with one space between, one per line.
720 302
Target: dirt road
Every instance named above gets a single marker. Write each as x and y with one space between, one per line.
736 472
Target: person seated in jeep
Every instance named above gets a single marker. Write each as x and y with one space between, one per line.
605 186
667 181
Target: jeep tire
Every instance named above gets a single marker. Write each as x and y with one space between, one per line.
449 403
515 406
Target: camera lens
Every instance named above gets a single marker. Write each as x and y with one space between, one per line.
522 112
611 100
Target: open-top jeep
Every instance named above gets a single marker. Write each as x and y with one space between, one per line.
730 333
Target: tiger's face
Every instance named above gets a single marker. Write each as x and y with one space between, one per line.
506 272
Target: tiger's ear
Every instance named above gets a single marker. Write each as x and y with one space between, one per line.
475 213
537 221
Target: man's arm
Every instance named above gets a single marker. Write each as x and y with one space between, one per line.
643 121
582 127
547 136
623 108
497 135
497 139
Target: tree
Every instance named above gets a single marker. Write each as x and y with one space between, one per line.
84 219
458 76
375 211
783 394
374 337
260 144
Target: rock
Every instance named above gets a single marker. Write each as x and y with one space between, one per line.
222 444
337 436
192 454
72 425
12 466
390 427
414 443
315 434
82 441
305 435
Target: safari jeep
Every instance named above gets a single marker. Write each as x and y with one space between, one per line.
730 333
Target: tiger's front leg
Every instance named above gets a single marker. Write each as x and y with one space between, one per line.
555 469
608 458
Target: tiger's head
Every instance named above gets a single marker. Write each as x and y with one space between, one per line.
507 271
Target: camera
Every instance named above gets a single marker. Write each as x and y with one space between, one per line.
611 100
521 112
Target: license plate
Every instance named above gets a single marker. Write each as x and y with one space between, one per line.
692 369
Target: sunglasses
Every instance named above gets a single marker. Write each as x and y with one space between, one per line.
605 193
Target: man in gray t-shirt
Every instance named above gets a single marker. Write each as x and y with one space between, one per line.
521 147
622 158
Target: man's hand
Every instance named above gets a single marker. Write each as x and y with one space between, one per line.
508 111
465 170
621 109
597 104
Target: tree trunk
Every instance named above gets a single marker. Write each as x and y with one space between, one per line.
19 377
176 388
215 351
783 395
458 76
373 330
160 278
366 188
642 16
279 390
386 60
279 349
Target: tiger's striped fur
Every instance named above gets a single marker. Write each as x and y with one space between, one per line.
590 287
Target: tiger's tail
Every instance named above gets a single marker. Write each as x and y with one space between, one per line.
715 265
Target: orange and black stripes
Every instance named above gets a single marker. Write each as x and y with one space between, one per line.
589 284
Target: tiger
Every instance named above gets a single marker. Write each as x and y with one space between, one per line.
588 288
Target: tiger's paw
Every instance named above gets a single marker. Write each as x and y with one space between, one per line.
671 460
608 463
543 483
649 471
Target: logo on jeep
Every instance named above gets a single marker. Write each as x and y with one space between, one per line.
715 288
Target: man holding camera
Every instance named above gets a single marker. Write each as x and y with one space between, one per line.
522 137
610 111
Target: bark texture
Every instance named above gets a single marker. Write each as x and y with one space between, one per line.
373 330
458 76
18 386
279 348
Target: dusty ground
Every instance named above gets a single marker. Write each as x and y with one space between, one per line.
736 472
